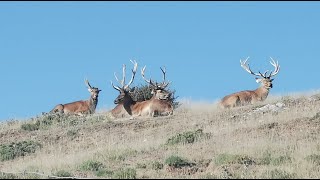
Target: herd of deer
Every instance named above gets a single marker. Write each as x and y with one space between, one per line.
160 103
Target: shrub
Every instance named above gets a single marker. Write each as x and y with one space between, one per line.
278 174
13 150
233 159
30 127
91 165
177 162
314 158
127 173
187 137
157 165
268 159
62 173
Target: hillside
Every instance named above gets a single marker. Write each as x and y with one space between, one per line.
278 138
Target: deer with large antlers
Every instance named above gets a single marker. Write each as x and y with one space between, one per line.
160 101
251 96
80 107
126 106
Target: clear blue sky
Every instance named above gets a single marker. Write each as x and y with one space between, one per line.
48 48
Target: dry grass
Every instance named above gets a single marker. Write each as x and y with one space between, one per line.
243 143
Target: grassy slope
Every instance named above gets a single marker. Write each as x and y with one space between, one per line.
242 143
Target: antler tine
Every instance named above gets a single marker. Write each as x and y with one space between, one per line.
142 73
123 75
164 84
120 82
134 70
247 68
276 67
164 73
115 87
87 83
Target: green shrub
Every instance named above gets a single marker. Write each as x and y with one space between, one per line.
8 176
313 158
13 150
268 159
104 173
30 127
91 165
177 162
62 173
278 174
127 173
225 158
187 137
141 166
156 165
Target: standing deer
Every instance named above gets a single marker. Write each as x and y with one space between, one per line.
251 96
80 107
161 102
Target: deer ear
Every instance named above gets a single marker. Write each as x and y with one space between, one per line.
258 80
271 80
90 90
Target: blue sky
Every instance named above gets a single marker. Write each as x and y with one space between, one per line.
48 48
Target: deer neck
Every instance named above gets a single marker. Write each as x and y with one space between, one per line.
93 104
262 92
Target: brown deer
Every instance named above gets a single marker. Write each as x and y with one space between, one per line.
161 103
126 105
251 96
80 107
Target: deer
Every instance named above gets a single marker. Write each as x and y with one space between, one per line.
247 97
80 107
126 105
161 103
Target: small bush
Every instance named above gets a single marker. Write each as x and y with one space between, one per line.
8 176
157 165
13 150
187 137
278 174
268 159
177 162
30 127
92 166
313 158
225 158
141 166
62 173
127 173
104 173
72 134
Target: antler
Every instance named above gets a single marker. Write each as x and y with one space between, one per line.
87 83
122 82
164 84
142 73
155 84
276 68
134 70
247 68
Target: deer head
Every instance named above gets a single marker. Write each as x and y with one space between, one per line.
158 89
125 91
94 92
264 79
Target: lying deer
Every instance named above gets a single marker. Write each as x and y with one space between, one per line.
161 103
80 107
126 106
252 96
